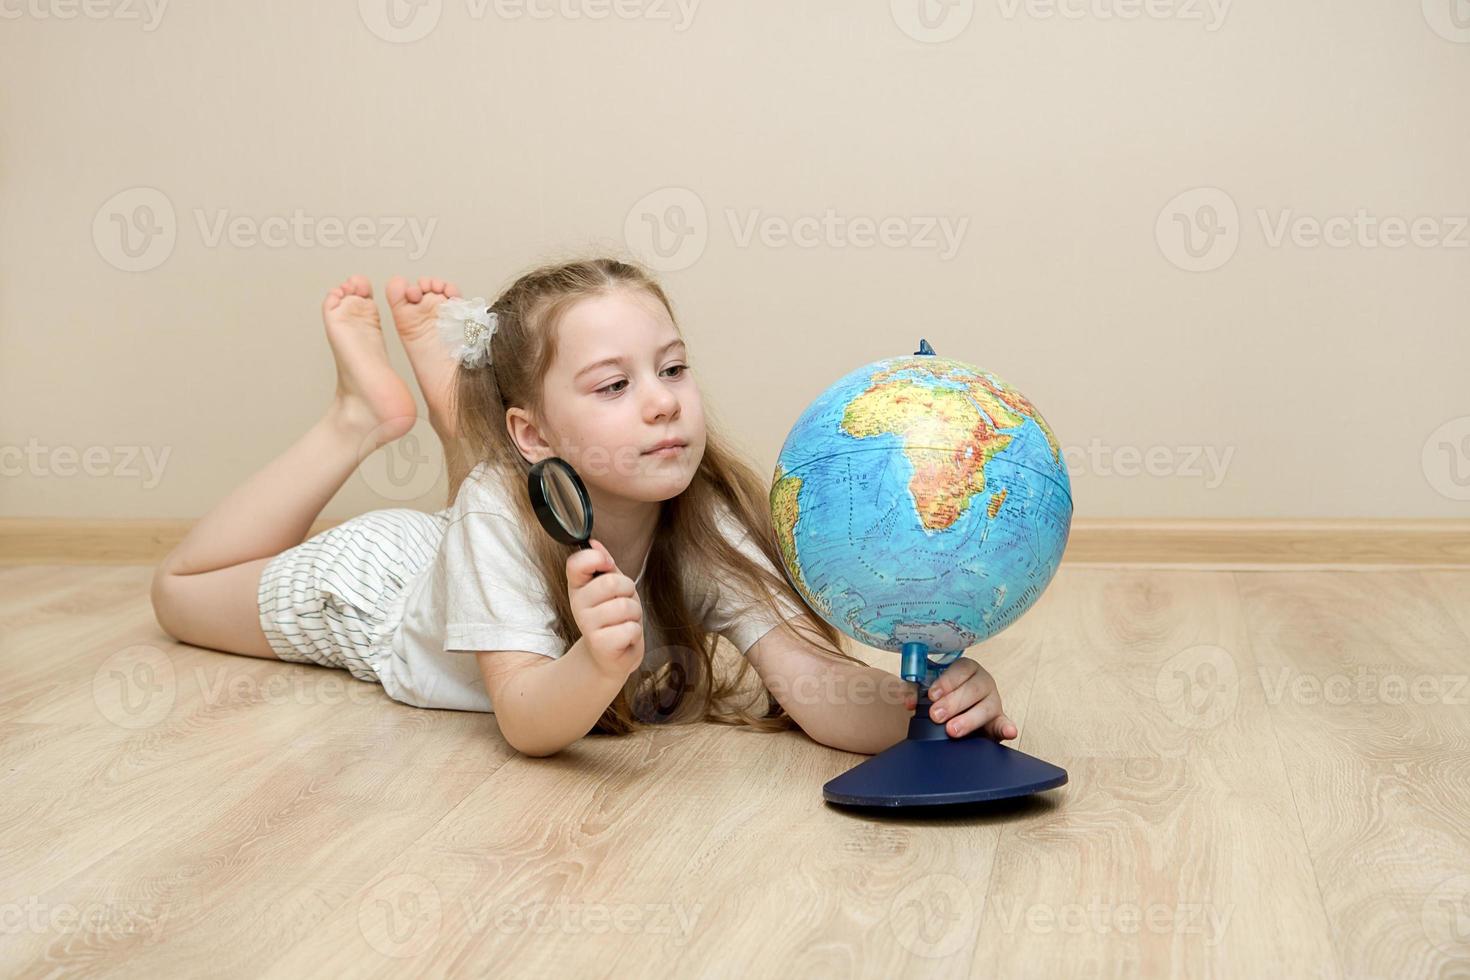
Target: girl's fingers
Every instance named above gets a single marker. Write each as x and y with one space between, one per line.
1001 728
954 675
972 691
977 717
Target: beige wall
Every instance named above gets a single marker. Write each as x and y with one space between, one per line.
1262 376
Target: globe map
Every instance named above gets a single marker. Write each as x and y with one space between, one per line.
921 499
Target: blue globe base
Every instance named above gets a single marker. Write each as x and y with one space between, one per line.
931 768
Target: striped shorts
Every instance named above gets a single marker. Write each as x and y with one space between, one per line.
335 597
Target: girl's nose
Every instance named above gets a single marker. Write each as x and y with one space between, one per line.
663 402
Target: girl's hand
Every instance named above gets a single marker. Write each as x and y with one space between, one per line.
607 610
965 698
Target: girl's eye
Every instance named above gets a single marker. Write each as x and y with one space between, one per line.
613 388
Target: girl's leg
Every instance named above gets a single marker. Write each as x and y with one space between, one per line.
217 609
205 591
413 305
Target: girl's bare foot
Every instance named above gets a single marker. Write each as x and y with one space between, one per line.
372 403
413 305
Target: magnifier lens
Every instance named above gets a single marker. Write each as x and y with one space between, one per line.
565 500
561 501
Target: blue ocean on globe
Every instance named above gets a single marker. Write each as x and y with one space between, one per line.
921 500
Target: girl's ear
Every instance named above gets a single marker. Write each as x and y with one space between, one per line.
527 436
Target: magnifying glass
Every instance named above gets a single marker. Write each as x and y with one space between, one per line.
561 503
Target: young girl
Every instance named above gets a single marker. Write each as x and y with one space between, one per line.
475 607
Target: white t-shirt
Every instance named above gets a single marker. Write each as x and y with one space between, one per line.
483 592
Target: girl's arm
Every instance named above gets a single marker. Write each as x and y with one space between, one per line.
542 704
864 709
849 706
545 705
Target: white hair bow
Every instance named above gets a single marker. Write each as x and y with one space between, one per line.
467 326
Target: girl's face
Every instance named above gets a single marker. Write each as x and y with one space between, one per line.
619 386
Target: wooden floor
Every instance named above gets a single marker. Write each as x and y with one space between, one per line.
1270 776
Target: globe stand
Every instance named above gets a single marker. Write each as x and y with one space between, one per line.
932 768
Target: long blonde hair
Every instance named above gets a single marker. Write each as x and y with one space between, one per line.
683 685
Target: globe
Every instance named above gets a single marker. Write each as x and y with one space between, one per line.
921 500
